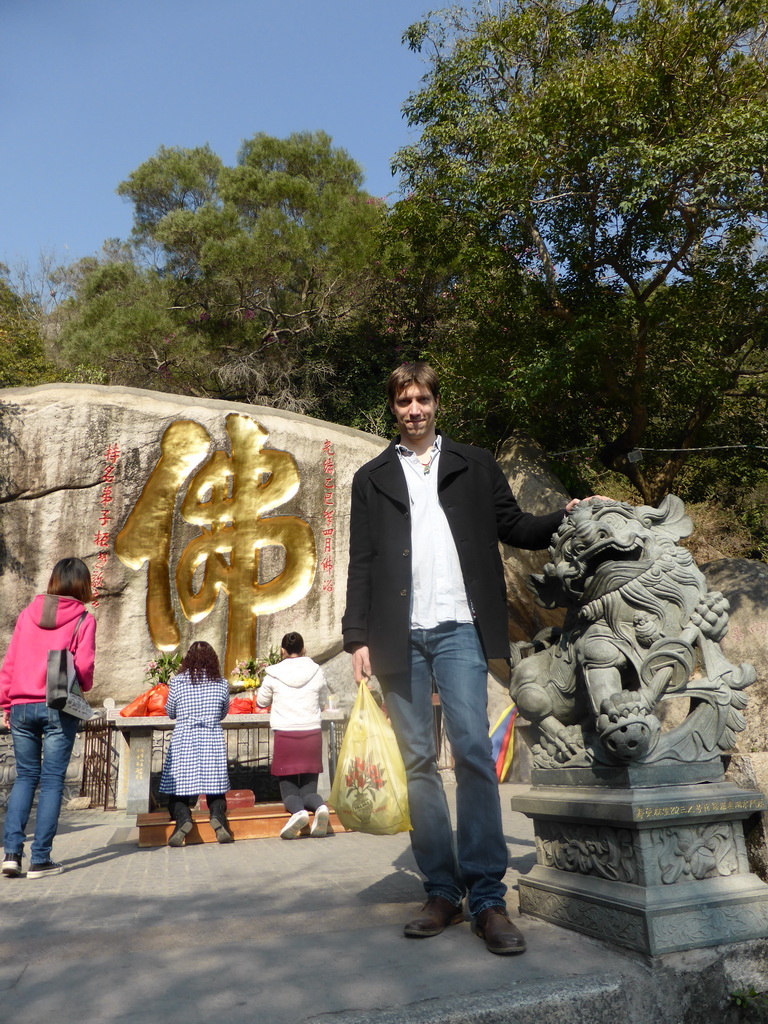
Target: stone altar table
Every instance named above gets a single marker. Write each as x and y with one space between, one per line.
136 756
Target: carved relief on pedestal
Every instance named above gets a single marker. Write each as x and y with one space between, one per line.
588 850
696 851
608 922
698 926
72 779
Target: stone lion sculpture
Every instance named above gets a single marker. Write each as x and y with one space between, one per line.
641 629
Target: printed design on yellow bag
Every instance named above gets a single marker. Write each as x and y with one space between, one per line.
365 779
369 791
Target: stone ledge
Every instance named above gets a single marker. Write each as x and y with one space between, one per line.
681 987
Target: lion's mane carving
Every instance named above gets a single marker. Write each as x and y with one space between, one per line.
641 629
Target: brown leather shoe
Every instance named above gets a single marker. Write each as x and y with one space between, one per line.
436 914
501 936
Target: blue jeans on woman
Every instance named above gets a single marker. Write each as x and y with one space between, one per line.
42 744
451 654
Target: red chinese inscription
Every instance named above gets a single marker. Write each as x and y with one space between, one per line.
101 537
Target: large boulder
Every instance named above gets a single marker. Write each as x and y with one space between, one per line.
95 472
745 584
537 490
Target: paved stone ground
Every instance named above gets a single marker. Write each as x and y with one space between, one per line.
275 932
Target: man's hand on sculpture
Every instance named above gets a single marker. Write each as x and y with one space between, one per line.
593 497
361 664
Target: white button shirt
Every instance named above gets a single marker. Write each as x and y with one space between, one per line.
438 593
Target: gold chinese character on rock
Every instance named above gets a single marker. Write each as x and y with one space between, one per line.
227 498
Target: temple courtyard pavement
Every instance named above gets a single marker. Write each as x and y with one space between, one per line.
280 932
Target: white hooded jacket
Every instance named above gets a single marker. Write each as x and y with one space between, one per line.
297 691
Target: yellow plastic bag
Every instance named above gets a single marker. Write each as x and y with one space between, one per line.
369 793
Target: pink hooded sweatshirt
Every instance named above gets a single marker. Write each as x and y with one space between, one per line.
47 624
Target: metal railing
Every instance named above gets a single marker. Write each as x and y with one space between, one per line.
249 757
100 763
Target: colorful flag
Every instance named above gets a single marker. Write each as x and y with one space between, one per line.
503 742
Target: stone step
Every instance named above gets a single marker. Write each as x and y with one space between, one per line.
263 821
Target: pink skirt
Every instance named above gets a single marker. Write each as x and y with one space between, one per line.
297 753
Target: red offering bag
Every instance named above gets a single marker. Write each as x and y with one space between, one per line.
241 706
156 699
138 706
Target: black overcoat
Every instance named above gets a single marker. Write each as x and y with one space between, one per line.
480 510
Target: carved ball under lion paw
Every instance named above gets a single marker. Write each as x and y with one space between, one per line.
629 740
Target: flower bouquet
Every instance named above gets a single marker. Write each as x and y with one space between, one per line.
247 675
245 679
162 668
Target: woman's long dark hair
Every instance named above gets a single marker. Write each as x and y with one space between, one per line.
201 662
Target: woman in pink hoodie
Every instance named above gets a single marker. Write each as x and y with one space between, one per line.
43 737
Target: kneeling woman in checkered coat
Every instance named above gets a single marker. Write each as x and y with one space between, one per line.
196 762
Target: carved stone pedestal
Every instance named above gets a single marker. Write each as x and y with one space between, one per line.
656 868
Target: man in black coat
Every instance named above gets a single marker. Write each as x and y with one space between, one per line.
426 600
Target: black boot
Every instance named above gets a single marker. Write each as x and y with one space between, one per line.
218 808
180 812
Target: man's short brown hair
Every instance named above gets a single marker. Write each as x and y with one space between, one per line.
406 374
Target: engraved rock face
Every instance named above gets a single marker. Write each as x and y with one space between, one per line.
537 490
744 583
641 629
199 520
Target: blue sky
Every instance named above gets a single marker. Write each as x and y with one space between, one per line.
89 89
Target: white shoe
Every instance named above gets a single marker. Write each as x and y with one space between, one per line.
294 825
320 822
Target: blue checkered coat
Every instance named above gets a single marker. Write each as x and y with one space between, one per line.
196 761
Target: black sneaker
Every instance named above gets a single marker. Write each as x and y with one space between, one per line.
12 865
46 867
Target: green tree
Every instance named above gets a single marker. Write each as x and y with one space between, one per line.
123 321
239 274
171 181
600 170
23 362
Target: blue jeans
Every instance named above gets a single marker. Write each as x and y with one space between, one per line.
42 744
452 654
